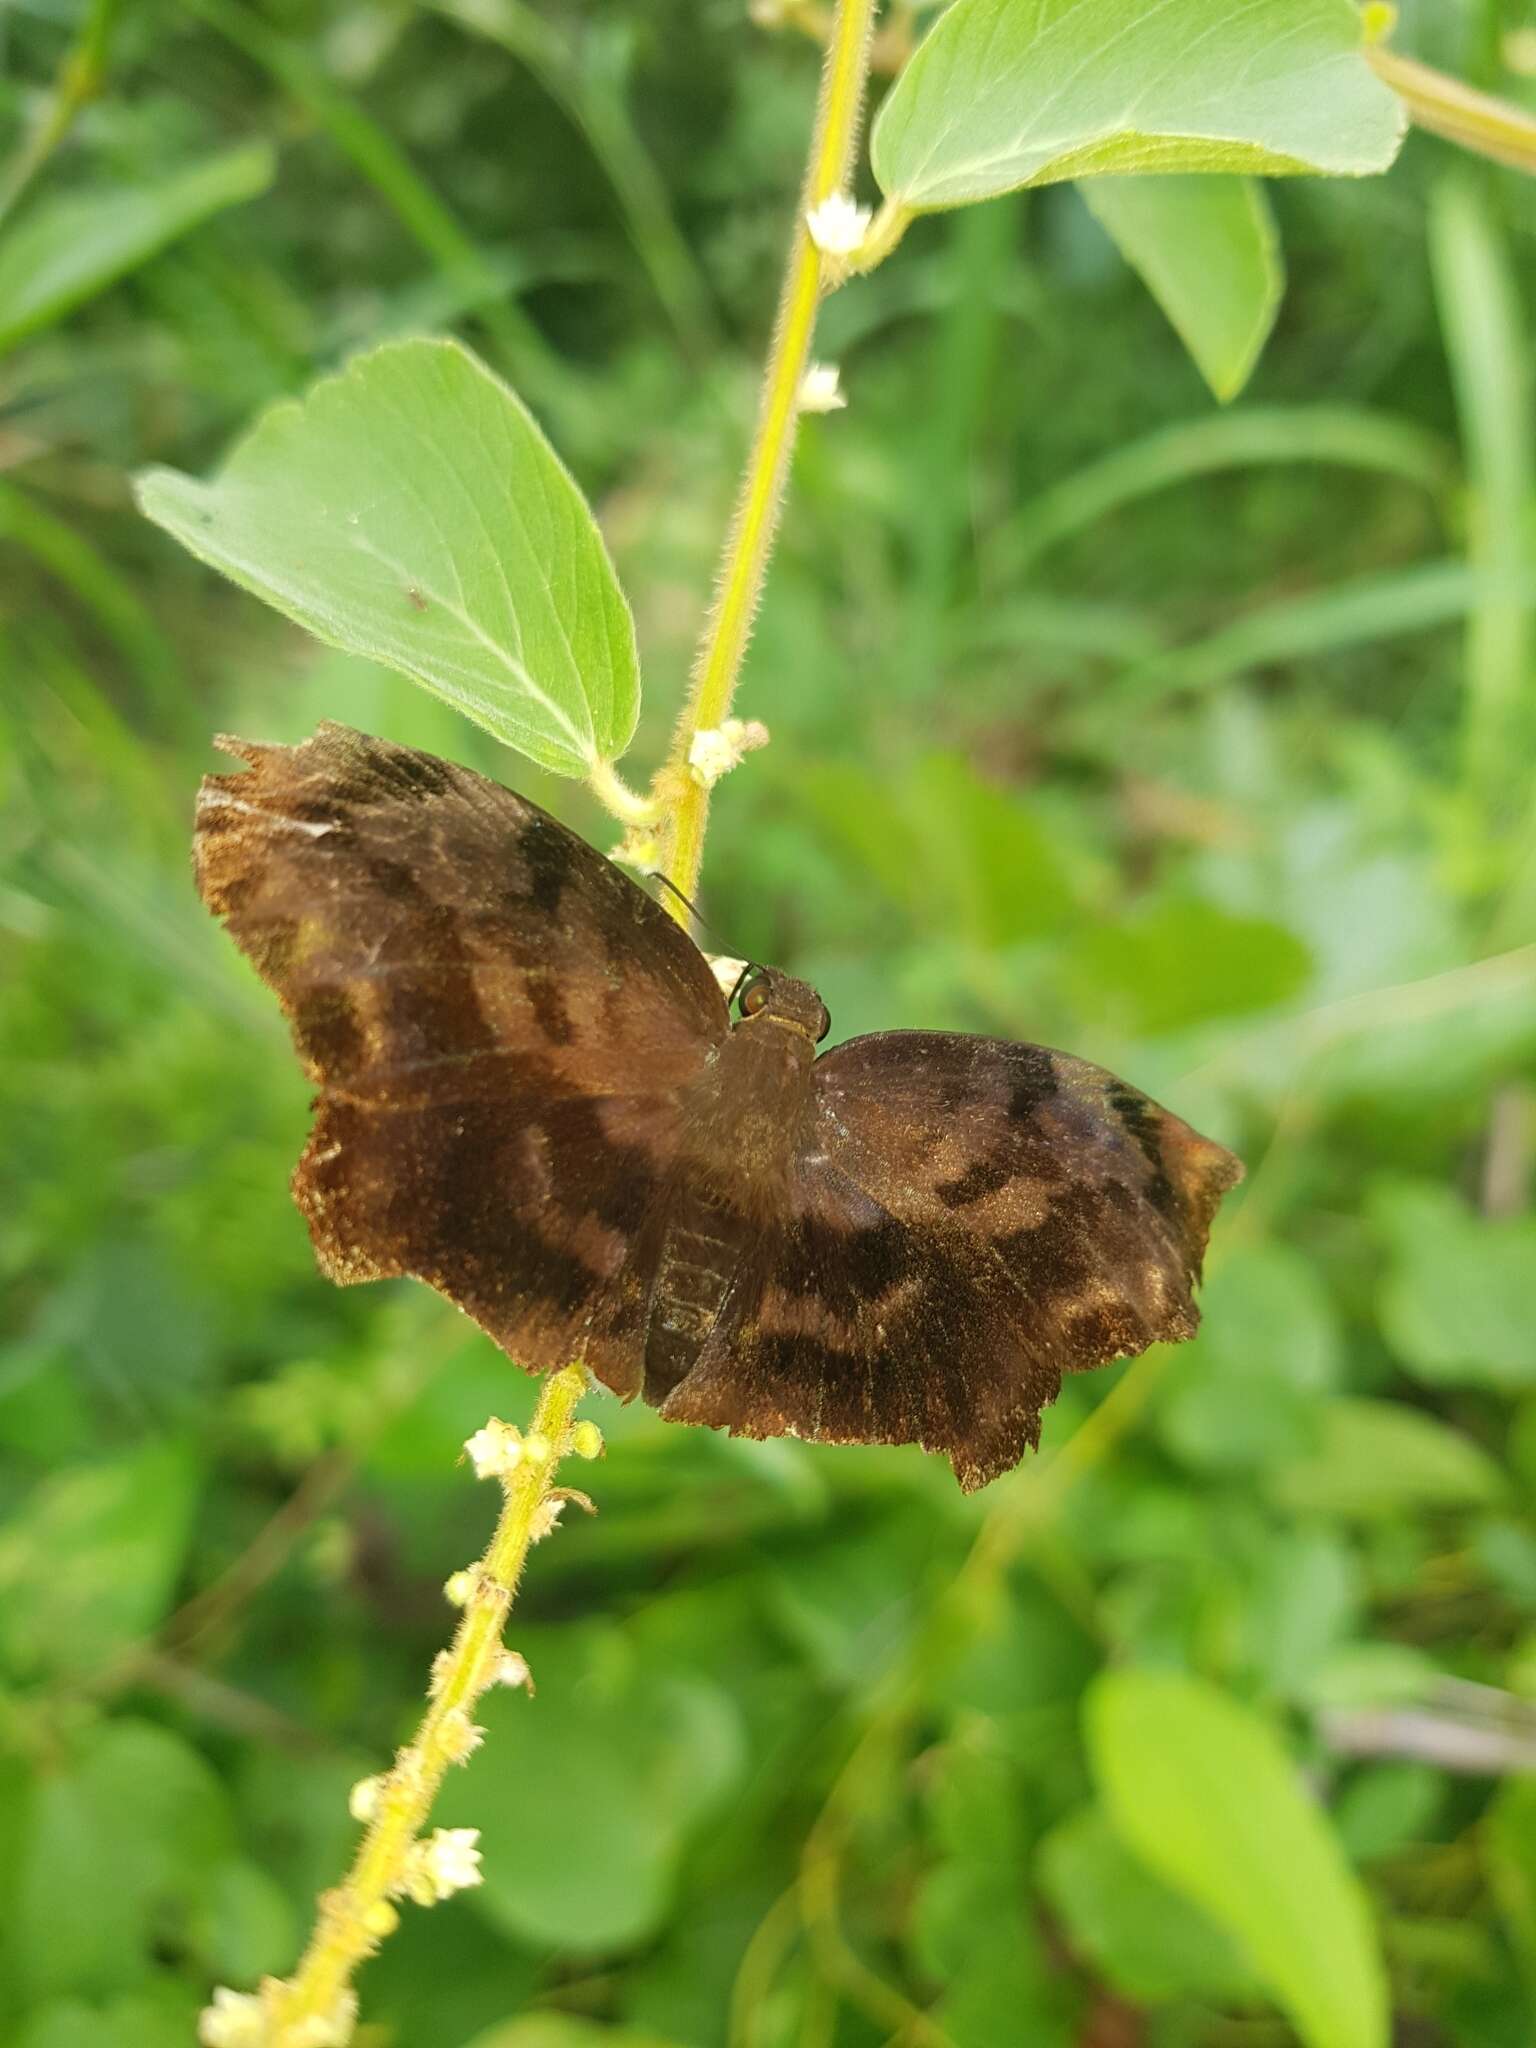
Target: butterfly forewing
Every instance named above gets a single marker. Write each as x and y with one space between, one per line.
499 1023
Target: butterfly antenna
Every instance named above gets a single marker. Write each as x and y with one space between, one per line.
687 902
749 967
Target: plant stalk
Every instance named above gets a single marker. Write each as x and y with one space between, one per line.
1458 113
357 1914
845 72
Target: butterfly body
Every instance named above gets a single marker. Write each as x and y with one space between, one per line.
532 1095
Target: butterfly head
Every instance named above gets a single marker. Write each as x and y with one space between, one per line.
768 996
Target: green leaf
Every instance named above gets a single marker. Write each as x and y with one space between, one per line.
1245 1393
1458 1305
1385 1807
117 1847
1374 1459
164 2016
244 1925
410 509
66 250
952 848
1149 1943
595 1785
1203 1793
1207 251
1179 960
90 1561
1509 1850
1005 93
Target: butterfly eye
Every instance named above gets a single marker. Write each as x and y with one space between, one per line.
826 1024
754 993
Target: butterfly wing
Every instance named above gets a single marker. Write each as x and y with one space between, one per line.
498 1023
969 1220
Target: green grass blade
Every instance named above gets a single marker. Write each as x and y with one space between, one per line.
1489 352
1345 436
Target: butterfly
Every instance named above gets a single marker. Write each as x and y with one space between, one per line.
533 1095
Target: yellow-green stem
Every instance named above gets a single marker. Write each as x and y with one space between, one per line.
1476 120
616 796
348 1927
845 70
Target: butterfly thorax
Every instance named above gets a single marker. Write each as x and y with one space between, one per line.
744 1122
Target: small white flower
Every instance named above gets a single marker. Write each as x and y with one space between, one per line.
460 1736
447 1861
458 1587
496 1450
363 1799
325 2030
234 2020
820 389
511 1669
718 749
537 1448
838 225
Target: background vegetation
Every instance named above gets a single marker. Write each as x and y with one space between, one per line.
1101 718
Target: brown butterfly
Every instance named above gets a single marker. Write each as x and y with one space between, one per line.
534 1097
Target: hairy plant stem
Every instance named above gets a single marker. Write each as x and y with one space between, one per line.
354 1918
845 72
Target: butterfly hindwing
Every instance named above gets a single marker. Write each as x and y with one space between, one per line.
970 1219
498 1022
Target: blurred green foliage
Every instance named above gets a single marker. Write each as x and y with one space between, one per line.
1198 743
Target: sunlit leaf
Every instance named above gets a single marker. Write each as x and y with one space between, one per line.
1150 1943
411 510
1207 251
65 250
1006 93
1203 1793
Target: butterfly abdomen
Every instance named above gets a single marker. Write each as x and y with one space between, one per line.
700 1252
743 1120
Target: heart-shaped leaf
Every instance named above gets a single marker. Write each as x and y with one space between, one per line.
410 509
1005 93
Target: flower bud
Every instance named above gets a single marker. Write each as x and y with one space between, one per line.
363 1799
